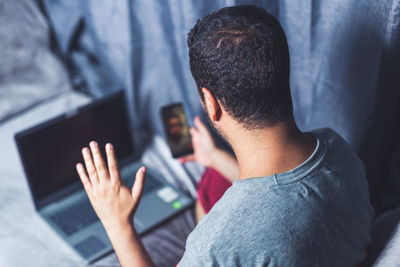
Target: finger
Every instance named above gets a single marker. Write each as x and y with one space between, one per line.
98 161
112 163
82 174
187 158
195 136
200 125
138 186
193 132
87 157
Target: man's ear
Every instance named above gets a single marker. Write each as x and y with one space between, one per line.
212 105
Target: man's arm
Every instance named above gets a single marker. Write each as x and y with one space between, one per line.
114 203
206 153
128 246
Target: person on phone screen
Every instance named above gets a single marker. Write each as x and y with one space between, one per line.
287 198
178 137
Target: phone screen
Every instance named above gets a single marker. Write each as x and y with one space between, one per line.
176 130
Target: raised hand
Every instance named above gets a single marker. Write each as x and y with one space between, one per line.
113 202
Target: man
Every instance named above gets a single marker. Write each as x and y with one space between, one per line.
297 199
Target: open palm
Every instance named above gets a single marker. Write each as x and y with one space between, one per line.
113 202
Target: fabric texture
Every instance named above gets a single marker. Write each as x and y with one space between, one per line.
30 73
386 240
211 188
317 214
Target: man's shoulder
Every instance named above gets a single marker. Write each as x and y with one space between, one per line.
224 238
241 230
340 156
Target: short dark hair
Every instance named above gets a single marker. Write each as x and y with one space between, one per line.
241 55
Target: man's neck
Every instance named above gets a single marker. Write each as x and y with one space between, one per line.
272 150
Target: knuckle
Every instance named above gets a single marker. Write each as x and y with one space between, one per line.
114 168
101 169
92 172
115 182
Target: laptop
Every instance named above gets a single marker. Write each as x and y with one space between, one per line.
49 153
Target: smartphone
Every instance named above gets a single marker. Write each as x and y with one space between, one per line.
176 130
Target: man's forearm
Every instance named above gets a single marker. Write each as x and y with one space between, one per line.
225 164
128 246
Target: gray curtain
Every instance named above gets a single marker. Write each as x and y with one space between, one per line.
29 73
345 64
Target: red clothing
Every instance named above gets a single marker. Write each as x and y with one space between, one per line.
211 188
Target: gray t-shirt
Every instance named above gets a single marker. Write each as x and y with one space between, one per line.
317 214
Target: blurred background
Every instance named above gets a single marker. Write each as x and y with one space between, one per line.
345 70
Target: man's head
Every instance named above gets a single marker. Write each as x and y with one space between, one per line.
239 57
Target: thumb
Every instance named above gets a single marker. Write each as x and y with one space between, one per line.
138 186
187 158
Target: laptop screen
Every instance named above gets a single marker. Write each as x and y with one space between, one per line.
51 150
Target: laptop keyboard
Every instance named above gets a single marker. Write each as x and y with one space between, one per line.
79 215
75 217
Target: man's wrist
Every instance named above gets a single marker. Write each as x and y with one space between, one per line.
127 245
119 227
